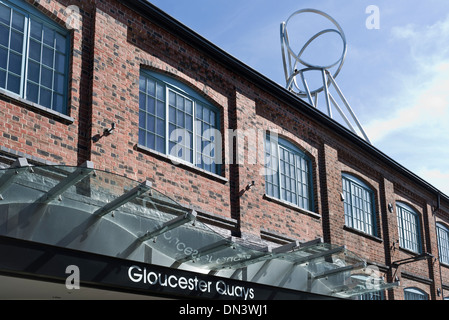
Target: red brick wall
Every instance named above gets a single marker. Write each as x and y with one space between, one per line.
109 50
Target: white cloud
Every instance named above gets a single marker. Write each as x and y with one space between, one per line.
418 123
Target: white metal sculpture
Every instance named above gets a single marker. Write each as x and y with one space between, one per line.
295 66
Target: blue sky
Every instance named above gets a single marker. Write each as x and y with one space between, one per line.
395 77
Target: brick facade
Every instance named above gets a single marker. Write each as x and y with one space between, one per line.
108 51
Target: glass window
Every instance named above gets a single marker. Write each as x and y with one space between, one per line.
287 172
358 205
176 121
33 56
408 228
443 243
414 294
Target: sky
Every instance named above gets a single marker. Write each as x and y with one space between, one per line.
395 74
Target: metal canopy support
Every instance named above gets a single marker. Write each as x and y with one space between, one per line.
331 272
319 255
169 225
79 174
422 256
264 255
127 197
269 253
370 284
349 292
214 247
21 164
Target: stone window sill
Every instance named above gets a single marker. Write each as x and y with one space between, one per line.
291 206
6 96
181 163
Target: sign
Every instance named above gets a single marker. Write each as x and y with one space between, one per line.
78 269
189 284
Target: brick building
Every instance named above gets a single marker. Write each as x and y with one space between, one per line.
121 126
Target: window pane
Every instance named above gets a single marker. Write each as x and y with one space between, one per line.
18 21
17 41
160 144
142 83
60 43
3 58
59 83
47 56
142 99
189 107
15 63
151 105
46 77
142 137
58 102
32 92
172 114
151 87
212 117
45 98
160 94
151 123
2 79
60 63
13 83
205 114
160 127
34 71
142 116
151 141
160 109
36 30
35 50
179 102
49 36
4 35
5 14
180 118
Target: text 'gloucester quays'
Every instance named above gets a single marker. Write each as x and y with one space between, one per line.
142 275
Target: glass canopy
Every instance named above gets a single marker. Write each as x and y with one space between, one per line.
101 212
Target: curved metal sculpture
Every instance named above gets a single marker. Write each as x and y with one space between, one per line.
295 65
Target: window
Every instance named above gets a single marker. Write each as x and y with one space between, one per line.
408 228
359 205
33 56
443 243
288 174
414 294
175 120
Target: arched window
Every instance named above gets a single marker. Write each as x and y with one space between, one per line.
287 172
359 205
443 243
34 56
408 228
415 294
176 121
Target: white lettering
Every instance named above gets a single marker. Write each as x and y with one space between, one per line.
137 274
373 20
135 277
73 280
